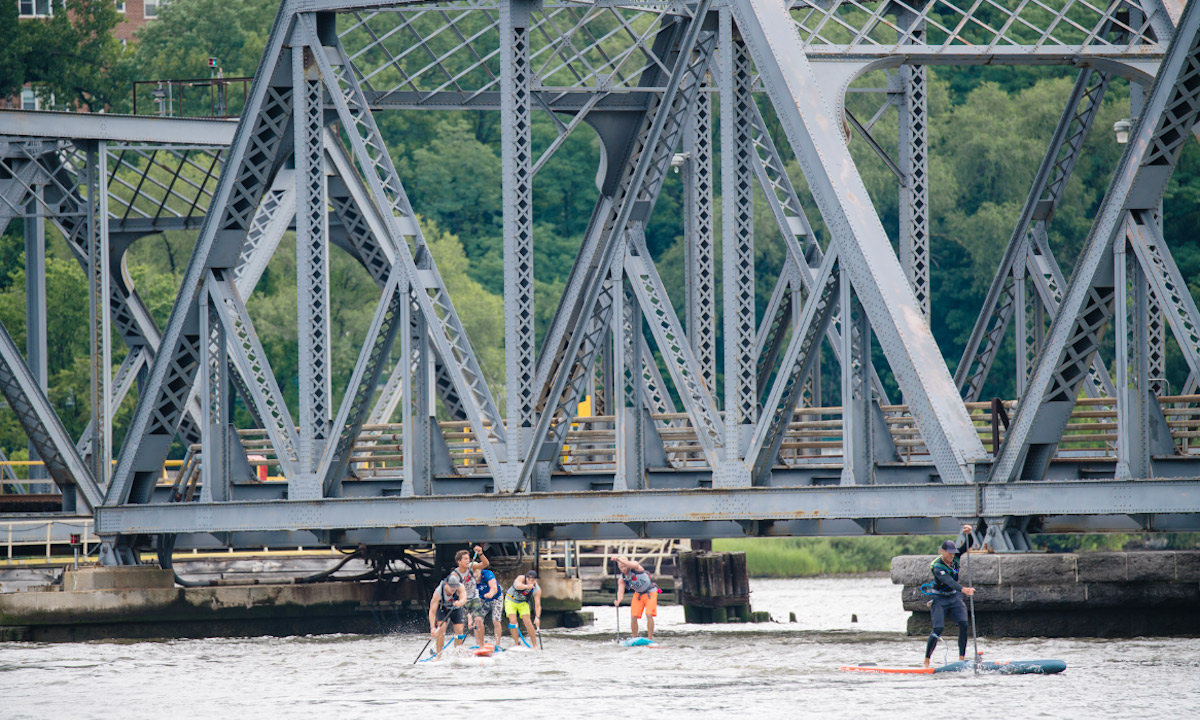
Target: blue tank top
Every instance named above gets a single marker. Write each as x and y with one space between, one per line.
485 576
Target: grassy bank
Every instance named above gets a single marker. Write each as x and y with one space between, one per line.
806 557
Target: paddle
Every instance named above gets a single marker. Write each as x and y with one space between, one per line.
618 609
426 645
971 598
537 630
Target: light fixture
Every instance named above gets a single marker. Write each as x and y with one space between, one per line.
1122 128
678 159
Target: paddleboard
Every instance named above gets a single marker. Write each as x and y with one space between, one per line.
999 667
483 650
639 642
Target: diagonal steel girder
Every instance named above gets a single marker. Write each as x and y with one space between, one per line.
1168 118
444 326
253 159
1051 178
37 417
583 318
864 249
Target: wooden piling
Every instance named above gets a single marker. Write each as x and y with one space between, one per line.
715 588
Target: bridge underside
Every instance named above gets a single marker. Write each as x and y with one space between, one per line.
418 449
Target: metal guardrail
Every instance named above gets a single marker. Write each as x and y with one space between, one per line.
47 532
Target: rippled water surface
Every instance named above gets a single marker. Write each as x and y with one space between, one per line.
781 670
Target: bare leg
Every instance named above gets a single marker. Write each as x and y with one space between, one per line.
512 629
530 632
650 627
633 625
441 640
499 633
458 631
478 631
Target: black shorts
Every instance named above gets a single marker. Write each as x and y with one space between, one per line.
454 615
952 607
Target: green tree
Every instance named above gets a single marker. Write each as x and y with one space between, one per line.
74 56
178 44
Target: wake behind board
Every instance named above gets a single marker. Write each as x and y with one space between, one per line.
998 667
639 642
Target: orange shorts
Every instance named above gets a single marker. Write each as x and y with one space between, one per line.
644 601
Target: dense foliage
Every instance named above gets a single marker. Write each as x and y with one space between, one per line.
806 557
989 128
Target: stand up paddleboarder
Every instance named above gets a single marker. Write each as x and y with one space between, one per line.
446 608
644 594
516 605
947 595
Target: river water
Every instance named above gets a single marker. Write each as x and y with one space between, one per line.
781 670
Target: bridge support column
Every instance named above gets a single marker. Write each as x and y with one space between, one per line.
520 351
914 166
857 408
699 278
312 265
100 315
214 394
35 304
737 239
419 423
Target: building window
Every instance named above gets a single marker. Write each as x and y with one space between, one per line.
36 8
150 8
29 99
121 6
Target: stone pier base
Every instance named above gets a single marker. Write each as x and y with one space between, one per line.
1109 594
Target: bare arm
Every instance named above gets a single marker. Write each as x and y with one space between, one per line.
620 589
462 597
482 563
537 605
493 589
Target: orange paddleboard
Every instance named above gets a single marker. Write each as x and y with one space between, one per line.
887 670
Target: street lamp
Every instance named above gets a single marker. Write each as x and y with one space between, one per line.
1122 128
678 159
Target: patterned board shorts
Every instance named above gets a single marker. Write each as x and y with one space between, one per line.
475 608
494 607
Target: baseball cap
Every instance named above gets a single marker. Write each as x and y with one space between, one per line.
949 546
531 574
453 581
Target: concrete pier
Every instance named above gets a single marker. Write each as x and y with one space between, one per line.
98 603
1103 594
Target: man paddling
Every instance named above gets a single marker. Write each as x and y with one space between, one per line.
446 607
644 594
516 604
467 566
493 599
947 595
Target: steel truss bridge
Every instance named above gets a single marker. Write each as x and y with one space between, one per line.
672 450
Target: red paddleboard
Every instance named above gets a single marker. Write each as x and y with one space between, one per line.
887 670
484 650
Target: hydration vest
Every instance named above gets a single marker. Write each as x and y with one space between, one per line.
520 596
937 587
447 601
468 582
638 582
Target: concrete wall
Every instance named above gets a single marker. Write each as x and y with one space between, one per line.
1111 594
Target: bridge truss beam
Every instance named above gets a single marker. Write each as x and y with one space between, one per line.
740 456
